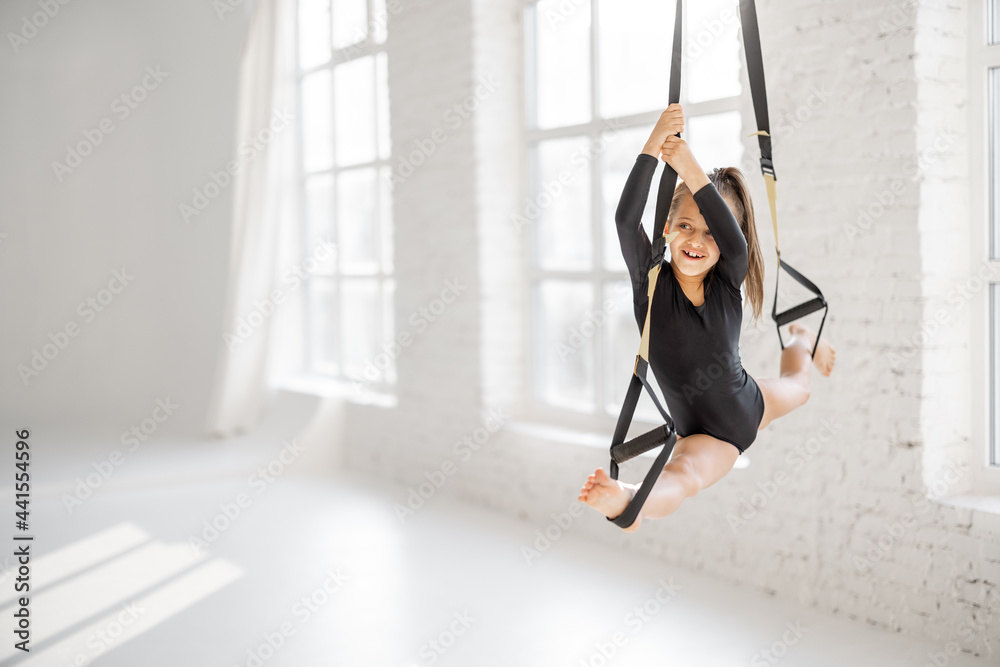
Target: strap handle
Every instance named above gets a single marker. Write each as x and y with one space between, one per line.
801 310
622 451
628 517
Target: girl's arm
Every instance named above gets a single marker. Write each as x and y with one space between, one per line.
635 245
719 217
727 233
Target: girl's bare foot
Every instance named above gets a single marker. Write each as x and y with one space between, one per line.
825 354
608 496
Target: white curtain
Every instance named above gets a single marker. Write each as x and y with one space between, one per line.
264 203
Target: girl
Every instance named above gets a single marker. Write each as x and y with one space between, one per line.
717 406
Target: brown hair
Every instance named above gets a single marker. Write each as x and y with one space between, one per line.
731 184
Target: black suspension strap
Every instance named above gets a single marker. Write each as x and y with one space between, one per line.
755 72
665 435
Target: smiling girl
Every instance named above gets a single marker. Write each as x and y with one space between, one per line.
695 322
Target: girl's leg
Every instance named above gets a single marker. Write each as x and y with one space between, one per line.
698 461
791 390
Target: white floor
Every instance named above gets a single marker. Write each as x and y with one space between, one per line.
322 569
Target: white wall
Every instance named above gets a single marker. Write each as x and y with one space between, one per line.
119 208
812 540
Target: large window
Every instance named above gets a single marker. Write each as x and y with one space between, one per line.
596 81
985 59
982 287
345 152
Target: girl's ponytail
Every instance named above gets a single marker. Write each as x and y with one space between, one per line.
731 184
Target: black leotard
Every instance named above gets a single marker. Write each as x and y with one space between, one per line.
694 350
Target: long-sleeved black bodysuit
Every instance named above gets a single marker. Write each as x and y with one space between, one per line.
694 350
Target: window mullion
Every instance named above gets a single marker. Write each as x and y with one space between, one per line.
307 297
595 72
984 61
596 209
992 314
649 118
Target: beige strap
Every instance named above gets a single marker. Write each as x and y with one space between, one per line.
772 197
654 273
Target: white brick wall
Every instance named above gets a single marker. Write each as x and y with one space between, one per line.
851 531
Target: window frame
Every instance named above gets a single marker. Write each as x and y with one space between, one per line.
984 453
309 375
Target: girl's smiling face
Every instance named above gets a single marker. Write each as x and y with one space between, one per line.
693 251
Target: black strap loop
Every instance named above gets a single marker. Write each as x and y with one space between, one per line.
641 444
801 310
758 91
667 433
